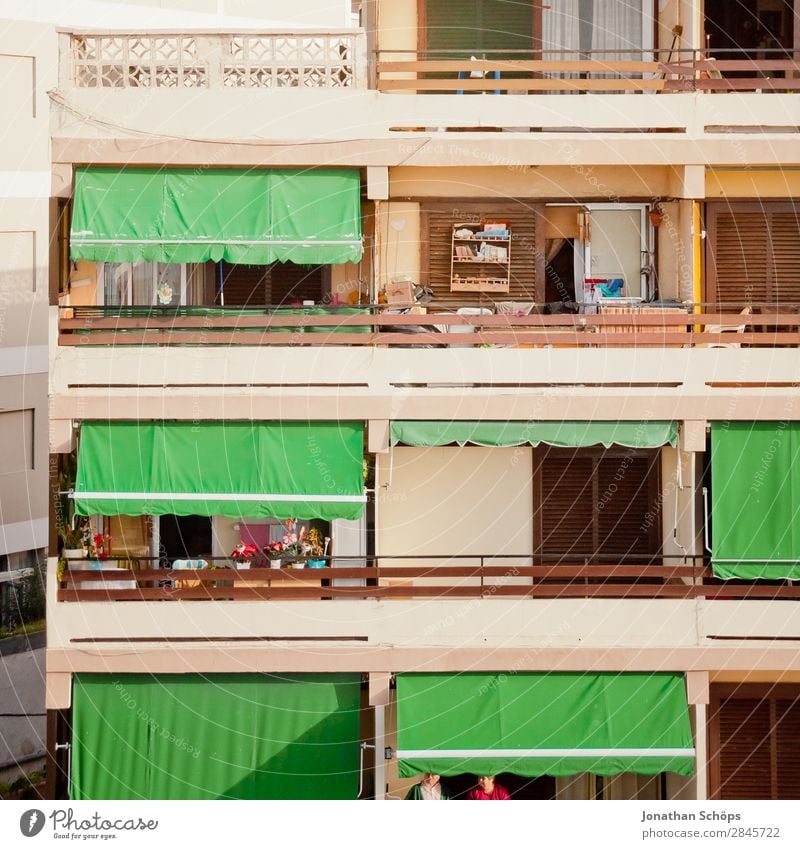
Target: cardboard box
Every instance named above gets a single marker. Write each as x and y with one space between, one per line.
400 293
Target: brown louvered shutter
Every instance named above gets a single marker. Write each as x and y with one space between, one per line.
744 749
245 285
624 500
754 741
279 283
567 502
738 256
753 253
292 283
593 505
785 240
527 267
787 748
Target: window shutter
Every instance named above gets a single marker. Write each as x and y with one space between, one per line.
624 500
263 285
754 253
475 26
739 251
594 505
290 282
448 29
439 219
245 285
744 749
755 742
567 503
785 241
787 748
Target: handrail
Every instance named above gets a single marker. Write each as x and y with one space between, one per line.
615 325
664 576
609 71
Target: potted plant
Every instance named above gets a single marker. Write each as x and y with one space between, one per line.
243 554
315 549
72 542
294 544
274 552
98 548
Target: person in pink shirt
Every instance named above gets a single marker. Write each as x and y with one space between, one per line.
488 789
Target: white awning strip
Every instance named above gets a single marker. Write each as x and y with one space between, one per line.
76 240
219 496
542 753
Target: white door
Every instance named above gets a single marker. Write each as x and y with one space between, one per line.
617 246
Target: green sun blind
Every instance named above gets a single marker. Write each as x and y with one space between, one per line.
755 500
237 469
180 215
532 724
506 434
222 736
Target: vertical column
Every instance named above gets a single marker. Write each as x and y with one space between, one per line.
378 699
697 691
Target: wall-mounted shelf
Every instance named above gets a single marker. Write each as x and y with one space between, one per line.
472 251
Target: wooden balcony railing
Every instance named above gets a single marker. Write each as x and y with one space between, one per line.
322 59
644 326
520 72
417 577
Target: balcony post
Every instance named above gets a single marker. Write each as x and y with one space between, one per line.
360 61
697 691
378 699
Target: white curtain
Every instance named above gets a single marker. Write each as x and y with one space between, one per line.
617 26
592 25
560 28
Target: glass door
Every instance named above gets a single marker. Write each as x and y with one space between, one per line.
143 284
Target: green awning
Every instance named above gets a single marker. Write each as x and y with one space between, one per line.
755 500
193 215
221 736
505 434
227 468
532 724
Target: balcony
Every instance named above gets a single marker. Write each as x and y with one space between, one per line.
374 326
415 577
312 59
520 72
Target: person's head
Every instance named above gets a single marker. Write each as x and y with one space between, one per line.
430 778
486 783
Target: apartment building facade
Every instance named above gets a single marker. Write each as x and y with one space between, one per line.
24 206
556 509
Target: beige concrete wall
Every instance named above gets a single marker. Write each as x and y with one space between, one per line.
397 242
397 25
28 62
385 384
269 13
491 174
455 501
674 252
83 284
679 506
745 183
24 462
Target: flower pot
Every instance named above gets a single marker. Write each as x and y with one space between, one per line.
241 564
275 564
299 564
73 553
316 564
